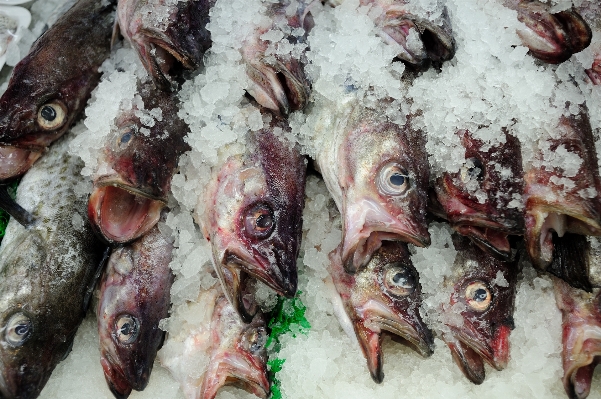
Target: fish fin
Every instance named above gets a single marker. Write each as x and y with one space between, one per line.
101 265
570 262
116 33
15 210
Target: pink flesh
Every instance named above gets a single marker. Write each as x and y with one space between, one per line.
594 73
16 161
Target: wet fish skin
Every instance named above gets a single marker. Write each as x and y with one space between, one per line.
134 298
136 165
251 213
50 86
372 301
495 172
182 40
47 273
487 320
359 152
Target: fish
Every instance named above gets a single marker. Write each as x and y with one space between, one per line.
49 271
483 294
135 167
278 81
167 36
229 351
562 199
483 199
251 213
377 173
134 298
385 296
50 86
551 37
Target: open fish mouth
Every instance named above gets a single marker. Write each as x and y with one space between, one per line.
238 369
121 213
552 38
235 283
15 161
487 234
115 378
580 362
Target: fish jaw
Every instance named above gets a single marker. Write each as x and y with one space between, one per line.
116 381
16 161
235 286
552 38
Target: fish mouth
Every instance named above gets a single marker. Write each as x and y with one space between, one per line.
489 236
552 38
278 86
580 362
15 161
118 384
238 369
121 213
235 283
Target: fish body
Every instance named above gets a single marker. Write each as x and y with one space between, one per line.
166 34
483 199
226 350
47 274
50 86
251 213
384 296
377 173
134 298
483 294
136 165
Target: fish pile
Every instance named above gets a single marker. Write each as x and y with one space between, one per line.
420 176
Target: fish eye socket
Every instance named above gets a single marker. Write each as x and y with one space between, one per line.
127 329
18 329
125 136
259 221
400 279
478 296
52 115
472 169
393 179
255 339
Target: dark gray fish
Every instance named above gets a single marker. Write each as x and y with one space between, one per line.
47 274
50 86
138 161
134 298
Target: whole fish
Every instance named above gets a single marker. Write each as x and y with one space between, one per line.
384 296
48 273
483 199
50 86
278 81
377 173
551 36
166 35
562 198
136 165
225 350
251 213
483 294
134 298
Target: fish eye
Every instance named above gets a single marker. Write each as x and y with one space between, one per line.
259 221
127 329
472 169
18 329
52 115
393 179
255 339
478 296
124 136
400 279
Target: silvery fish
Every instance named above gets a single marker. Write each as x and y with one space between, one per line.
383 297
48 273
134 298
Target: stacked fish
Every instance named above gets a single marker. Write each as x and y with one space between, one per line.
504 211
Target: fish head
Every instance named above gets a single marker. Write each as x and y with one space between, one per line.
384 181
136 167
476 199
385 296
483 294
238 354
552 37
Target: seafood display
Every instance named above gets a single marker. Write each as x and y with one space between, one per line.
263 198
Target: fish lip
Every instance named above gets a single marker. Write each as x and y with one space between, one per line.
117 181
422 341
115 378
480 235
497 356
460 353
588 358
228 372
28 156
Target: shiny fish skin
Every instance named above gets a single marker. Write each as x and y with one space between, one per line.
371 301
251 213
135 169
358 148
234 352
165 33
48 272
54 80
134 294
